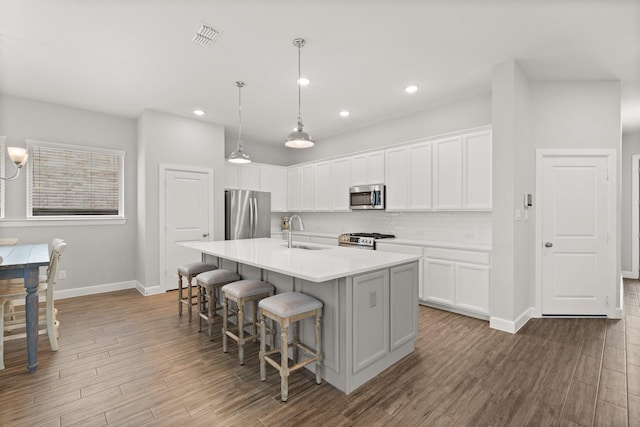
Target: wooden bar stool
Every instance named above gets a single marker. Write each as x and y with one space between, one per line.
288 309
242 292
190 271
207 283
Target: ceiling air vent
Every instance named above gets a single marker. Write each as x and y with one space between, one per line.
205 35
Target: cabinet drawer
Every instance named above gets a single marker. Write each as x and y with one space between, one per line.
458 255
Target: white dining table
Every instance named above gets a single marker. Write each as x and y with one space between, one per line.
24 261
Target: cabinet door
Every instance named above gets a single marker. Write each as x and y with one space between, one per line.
448 173
397 178
376 168
274 180
322 186
231 176
306 188
370 318
420 181
293 189
477 171
249 177
439 281
340 182
403 304
472 287
359 170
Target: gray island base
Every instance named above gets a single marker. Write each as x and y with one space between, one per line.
370 314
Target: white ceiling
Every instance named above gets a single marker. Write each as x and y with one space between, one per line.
121 57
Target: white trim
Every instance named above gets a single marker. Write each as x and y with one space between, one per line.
629 274
3 171
611 155
635 218
511 326
62 221
162 179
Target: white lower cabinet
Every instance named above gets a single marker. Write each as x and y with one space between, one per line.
457 279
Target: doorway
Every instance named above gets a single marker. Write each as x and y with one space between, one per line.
186 213
576 232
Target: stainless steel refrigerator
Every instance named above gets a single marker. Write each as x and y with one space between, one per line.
247 214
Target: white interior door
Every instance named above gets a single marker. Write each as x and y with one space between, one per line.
575 235
188 214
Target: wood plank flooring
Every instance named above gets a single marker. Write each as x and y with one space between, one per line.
126 359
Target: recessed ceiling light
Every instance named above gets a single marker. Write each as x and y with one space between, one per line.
303 81
344 113
198 112
411 88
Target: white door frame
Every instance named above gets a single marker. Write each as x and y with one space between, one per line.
612 205
635 218
162 180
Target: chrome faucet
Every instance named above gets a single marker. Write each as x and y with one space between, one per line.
300 226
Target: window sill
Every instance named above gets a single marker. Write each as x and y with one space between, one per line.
37 222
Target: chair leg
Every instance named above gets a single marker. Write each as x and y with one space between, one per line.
296 341
179 294
201 297
225 320
240 321
51 325
189 296
318 348
284 363
211 305
263 347
2 304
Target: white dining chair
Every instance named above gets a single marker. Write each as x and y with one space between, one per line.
13 289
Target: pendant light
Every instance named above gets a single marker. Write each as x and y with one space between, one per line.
239 156
298 138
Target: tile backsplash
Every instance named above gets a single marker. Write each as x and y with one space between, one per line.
463 227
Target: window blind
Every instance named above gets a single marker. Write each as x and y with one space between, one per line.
74 182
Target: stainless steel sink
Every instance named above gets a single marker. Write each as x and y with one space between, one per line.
310 248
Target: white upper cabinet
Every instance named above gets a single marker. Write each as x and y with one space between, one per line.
477 171
340 183
231 176
448 173
367 168
249 177
408 177
293 189
306 188
274 180
462 172
322 186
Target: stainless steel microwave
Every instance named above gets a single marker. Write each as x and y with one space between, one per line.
367 197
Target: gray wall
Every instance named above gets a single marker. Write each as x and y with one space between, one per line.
630 147
96 254
164 138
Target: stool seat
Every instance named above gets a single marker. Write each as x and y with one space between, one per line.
218 276
208 282
189 271
290 304
246 288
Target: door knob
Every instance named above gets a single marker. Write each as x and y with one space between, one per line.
548 245
205 235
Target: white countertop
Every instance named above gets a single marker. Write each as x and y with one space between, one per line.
328 263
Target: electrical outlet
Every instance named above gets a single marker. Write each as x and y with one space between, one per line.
62 274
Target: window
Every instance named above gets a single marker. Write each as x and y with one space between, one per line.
74 182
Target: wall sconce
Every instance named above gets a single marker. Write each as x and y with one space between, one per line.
19 158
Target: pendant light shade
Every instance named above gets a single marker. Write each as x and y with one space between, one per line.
299 138
239 156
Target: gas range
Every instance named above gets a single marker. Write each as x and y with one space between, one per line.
362 240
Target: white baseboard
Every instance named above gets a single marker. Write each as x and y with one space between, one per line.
629 274
511 326
149 290
97 289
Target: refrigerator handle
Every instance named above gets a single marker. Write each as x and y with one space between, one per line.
251 217
255 217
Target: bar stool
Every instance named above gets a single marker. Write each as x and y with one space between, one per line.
207 283
287 309
190 271
242 292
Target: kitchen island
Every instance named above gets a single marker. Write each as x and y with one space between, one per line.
370 314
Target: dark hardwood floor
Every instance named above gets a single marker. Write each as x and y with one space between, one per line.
126 359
